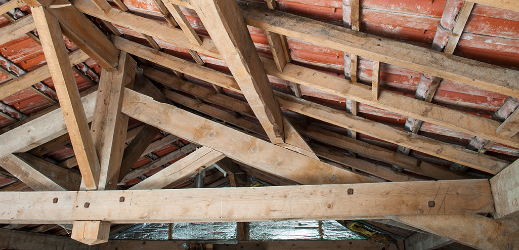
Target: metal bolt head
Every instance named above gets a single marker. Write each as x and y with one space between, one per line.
350 191
121 199
329 206
55 200
87 204
431 204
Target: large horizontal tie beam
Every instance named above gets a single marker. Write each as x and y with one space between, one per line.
453 119
309 202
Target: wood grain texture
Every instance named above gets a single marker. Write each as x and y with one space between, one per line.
227 28
91 232
68 94
505 188
310 202
510 126
109 125
234 144
17 29
11 5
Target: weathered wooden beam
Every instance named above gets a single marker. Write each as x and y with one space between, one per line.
227 28
250 204
16 29
103 5
256 152
181 169
82 32
109 125
375 82
453 119
90 232
422 241
68 94
502 4
510 126
505 189
39 174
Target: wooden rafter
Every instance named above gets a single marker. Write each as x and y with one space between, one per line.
68 94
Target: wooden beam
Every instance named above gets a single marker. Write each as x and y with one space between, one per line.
226 26
311 202
51 145
502 4
39 174
14 239
184 24
458 28
68 94
295 142
510 126
91 232
109 125
453 119
473 230
256 152
11 5
375 82
103 5
17 29
13 86
181 169
82 32
505 189
237 177
422 241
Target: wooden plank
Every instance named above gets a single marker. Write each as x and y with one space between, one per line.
109 126
103 5
143 25
472 230
83 33
237 177
159 162
184 24
37 75
422 241
256 152
181 169
227 28
11 5
40 175
502 4
295 142
56 55
250 245
165 13
457 30
375 80
453 119
91 232
309 202
135 149
505 188
510 126
51 145
17 29
14 239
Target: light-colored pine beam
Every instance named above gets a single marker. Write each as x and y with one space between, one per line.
184 24
109 125
227 28
68 94
453 119
90 232
422 241
502 4
181 169
505 190
278 43
82 32
510 126
310 202
256 152
39 174
457 30
103 5
17 29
